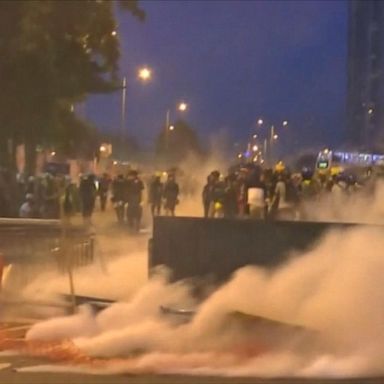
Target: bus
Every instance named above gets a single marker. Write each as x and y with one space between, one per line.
331 162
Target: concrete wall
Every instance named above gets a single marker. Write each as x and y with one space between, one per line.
214 248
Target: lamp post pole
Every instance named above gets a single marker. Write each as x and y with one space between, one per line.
271 138
123 108
168 127
144 74
167 122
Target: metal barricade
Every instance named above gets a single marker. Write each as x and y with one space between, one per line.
32 241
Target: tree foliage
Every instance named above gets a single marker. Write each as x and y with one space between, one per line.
54 54
174 145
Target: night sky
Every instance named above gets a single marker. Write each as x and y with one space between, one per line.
234 62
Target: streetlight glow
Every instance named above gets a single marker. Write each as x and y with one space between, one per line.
260 122
255 148
275 137
285 123
182 106
171 127
113 33
145 73
370 111
254 136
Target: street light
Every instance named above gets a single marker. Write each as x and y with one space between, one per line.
273 137
143 74
270 138
182 106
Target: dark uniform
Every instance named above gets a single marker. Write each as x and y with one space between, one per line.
134 196
171 194
104 183
87 192
155 195
119 197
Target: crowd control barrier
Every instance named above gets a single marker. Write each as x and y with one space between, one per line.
28 246
36 241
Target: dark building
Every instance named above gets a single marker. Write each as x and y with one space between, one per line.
365 98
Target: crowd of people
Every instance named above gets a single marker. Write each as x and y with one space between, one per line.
251 191
244 191
57 196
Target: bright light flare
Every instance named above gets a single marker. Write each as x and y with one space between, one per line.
145 73
182 106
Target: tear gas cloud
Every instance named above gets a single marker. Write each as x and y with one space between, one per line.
119 269
358 207
196 172
334 291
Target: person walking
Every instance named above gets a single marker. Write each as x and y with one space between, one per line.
87 191
102 191
155 195
119 197
135 188
171 195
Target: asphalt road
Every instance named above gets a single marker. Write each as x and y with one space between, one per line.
9 365
10 375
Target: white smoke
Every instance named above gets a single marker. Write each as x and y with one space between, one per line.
196 172
333 291
325 311
358 206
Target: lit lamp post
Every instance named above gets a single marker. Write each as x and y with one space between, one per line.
182 107
144 74
270 140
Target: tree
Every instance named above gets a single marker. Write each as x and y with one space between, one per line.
173 145
120 145
54 54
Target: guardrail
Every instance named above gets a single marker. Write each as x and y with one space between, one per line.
45 241
41 243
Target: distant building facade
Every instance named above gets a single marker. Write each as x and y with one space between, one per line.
365 95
